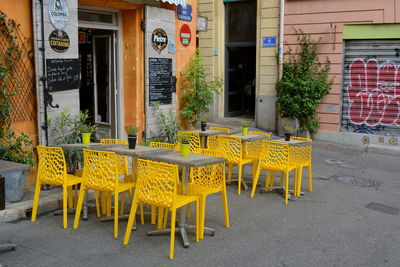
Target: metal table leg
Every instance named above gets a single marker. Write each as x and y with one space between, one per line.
7 247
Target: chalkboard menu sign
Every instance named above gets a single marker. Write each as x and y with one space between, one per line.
160 80
62 74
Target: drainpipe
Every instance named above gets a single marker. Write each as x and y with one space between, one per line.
281 35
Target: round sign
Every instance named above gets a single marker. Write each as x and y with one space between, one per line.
59 41
58 14
185 35
159 39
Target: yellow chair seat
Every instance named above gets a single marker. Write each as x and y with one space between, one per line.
72 180
182 200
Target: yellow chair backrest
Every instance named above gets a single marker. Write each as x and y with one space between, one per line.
156 183
261 133
274 156
231 148
122 160
194 141
52 167
217 128
100 170
301 155
209 177
163 145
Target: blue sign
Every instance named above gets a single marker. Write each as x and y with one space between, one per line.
269 41
185 13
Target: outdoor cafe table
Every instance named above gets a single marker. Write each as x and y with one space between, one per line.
193 160
205 134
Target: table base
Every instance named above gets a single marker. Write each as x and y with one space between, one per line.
280 190
7 247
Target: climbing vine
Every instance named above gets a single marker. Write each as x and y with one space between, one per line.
304 83
13 146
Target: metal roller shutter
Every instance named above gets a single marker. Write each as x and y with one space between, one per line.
371 87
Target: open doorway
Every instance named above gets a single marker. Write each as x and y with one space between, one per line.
240 57
98 79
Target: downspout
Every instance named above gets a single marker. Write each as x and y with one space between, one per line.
281 35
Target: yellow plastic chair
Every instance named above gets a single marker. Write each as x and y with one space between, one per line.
100 173
205 181
194 141
122 170
253 149
157 186
230 147
163 145
303 157
217 128
275 158
52 170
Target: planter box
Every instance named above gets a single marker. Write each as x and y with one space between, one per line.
15 178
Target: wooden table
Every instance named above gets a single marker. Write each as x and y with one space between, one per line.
205 134
193 160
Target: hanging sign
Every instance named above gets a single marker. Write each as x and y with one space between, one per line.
59 41
159 39
185 13
185 35
58 14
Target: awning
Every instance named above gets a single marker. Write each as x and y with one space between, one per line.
175 2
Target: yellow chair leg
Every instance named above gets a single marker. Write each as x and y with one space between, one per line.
96 199
225 205
202 214
272 180
172 241
35 200
75 189
267 179
287 188
165 219
255 181
141 214
299 181
79 207
198 221
295 181
109 204
65 207
122 203
103 200
240 168
132 217
153 214
70 198
310 177
188 211
116 200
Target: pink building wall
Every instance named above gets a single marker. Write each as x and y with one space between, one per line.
325 19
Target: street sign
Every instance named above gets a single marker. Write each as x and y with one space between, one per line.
269 41
185 13
185 35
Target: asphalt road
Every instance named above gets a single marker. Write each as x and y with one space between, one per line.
350 219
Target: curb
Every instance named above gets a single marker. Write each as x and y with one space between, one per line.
384 149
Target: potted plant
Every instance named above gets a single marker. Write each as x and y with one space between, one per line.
203 123
86 133
132 135
245 127
185 145
288 128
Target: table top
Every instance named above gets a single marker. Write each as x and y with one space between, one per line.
10 166
82 146
291 142
249 137
175 157
207 132
139 150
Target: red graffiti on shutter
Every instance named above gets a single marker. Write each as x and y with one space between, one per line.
374 93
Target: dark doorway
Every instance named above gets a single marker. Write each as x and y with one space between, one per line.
240 47
97 91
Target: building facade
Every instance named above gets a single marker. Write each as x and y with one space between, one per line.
360 38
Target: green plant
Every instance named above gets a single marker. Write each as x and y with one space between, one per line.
131 130
245 123
84 128
67 129
203 118
184 139
197 91
13 147
304 83
287 125
168 126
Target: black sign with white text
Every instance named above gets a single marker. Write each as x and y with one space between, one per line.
62 74
160 80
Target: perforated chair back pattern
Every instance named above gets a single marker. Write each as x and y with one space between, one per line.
52 167
194 141
121 159
163 145
301 155
217 128
156 183
274 156
253 149
231 148
100 171
211 177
